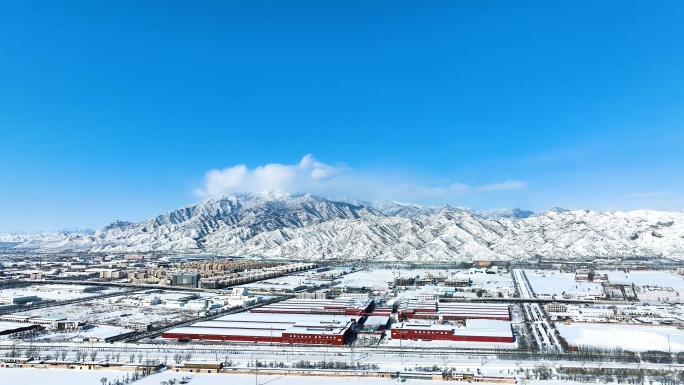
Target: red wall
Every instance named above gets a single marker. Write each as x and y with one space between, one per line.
412 335
286 338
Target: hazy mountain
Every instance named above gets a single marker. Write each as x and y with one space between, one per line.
277 225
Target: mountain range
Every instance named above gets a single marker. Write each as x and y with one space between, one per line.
309 227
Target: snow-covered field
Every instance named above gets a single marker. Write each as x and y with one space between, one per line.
659 278
56 295
556 283
647 278
451 344
490 281
31 376
629 337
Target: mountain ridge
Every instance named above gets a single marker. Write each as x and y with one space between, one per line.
310 227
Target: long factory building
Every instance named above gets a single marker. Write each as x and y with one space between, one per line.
292 321
433 310
475 330
340 306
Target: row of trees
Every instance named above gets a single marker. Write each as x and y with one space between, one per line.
596 354
180 357
130 377
621 376
333 365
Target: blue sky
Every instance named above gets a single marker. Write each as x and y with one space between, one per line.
121 110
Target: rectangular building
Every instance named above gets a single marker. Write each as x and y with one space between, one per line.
275 328
473 331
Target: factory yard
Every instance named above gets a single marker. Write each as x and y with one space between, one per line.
57 292
107 311
371 277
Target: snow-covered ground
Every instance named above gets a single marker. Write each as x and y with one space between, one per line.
93 331
381 277
288 280
106 311
32 376
451 344
56 295
556 283
490 281
629 337
647 278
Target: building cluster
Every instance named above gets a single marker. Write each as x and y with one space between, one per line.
50 323
200 272
216 274
295 321
18 299
441 311
634 314
191 302
451 285
68 288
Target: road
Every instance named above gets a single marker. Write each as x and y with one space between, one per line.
534 314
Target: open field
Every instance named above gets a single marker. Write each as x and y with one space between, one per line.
629 337
54 295
650 278
556 283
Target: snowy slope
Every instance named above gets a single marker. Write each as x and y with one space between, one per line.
277 225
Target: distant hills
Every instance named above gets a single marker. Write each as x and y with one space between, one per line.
309 227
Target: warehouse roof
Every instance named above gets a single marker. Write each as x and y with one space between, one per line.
10 326
283 318
317 330
227 332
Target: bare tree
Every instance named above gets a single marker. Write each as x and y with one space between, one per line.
132 358
93 354
140 356
117 356
107 357
64 354
188 356
103 380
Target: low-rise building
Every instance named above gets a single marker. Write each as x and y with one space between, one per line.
18 299
555 307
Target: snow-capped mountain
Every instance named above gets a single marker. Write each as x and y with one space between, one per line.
308 227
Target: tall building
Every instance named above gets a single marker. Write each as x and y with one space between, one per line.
185 280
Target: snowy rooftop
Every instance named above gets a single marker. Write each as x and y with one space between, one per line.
9 326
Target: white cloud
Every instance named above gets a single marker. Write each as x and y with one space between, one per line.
312 176
507 185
